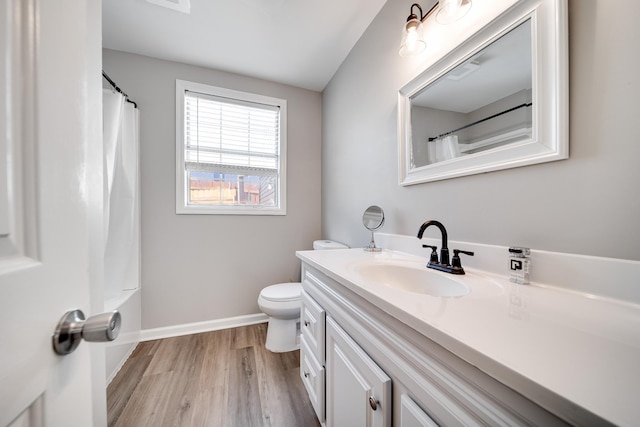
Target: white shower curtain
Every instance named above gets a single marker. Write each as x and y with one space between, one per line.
121 255
443 148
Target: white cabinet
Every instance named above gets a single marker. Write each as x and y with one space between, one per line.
358 391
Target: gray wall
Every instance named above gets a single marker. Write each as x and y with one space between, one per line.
205 267
588 204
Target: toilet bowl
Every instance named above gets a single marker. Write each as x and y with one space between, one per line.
282 302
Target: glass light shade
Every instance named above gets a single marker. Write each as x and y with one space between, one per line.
412 42
451 10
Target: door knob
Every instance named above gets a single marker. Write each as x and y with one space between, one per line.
373 403
72 328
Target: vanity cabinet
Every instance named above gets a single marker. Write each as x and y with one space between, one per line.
410 378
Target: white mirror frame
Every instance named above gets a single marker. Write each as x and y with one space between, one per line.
550 115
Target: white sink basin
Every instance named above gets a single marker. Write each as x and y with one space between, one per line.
411 277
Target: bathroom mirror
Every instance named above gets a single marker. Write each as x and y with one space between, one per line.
373 219
497 100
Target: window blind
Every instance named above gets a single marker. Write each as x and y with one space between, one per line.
230 136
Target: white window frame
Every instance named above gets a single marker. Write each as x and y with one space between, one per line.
181 173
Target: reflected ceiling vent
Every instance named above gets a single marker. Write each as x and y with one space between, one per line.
183 6
463 71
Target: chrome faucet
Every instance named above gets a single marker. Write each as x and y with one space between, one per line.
443 264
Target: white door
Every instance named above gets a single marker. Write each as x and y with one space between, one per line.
50 208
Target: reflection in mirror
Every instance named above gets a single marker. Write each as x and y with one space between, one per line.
373 218
481 104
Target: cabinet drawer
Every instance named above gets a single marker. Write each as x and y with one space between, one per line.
312 374
312 325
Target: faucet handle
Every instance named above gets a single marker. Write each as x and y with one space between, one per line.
455 261
460 251
434 253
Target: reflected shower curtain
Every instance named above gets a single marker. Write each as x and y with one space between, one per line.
120 141
443 148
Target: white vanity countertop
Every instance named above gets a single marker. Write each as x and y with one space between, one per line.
583 348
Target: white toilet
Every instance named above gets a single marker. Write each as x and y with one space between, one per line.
282 304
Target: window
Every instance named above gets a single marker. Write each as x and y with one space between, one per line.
230 151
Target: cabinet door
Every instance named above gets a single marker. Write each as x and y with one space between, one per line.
358 391
411 415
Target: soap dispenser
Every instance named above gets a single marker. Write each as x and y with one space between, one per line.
519 264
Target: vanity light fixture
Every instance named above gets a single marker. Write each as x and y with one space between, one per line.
447 11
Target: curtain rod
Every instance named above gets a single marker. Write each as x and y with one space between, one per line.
433 138
117 89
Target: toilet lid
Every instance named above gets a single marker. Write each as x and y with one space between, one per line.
282 292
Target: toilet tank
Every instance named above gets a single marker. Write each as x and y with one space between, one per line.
320 245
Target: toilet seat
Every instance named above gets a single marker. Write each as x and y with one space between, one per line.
282 292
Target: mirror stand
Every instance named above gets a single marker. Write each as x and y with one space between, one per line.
372 245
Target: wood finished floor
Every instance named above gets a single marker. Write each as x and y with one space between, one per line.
221 378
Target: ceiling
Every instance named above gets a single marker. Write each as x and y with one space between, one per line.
501 69
296 42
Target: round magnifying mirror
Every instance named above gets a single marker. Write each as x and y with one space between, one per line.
373 219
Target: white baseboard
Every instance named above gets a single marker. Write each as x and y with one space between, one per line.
199 327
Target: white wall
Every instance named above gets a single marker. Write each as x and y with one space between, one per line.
206 267
588 204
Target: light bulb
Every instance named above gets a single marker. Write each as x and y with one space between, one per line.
412 42
451 10
412 39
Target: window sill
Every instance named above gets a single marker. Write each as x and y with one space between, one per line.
228 210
